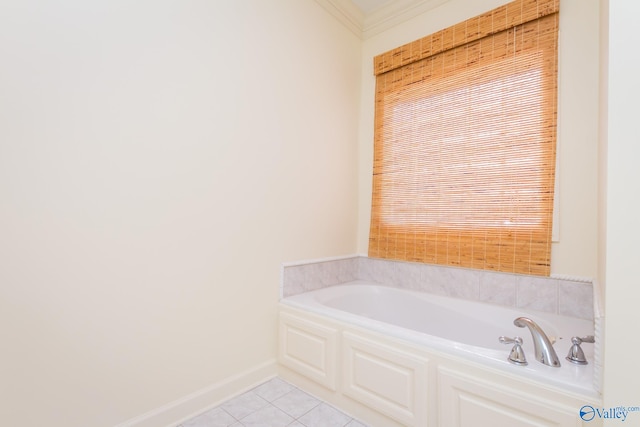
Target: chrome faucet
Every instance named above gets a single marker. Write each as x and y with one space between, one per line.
542 346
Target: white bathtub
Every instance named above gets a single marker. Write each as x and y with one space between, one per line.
457 327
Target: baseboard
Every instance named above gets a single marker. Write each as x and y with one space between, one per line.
187 407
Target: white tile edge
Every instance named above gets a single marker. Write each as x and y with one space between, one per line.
319 260
571 278
281 290
598 353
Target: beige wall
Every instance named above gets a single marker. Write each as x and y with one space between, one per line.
576 251
620 255
159 160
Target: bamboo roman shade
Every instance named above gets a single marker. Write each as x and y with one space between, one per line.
464 150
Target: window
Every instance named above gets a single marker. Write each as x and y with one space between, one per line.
464 150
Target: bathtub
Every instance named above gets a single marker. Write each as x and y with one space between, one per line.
460 328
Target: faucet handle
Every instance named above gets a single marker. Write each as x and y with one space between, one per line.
576 355
507 340
516 356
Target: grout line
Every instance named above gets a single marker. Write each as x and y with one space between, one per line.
270 404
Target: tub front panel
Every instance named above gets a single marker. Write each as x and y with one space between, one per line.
389 381
387 378
469 401
309 347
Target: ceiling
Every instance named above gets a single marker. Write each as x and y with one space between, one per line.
367 18
368 5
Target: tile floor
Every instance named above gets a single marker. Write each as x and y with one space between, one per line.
276 403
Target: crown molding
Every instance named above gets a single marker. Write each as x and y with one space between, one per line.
380 19
394 13
346 12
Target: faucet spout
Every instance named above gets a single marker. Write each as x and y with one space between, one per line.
544 351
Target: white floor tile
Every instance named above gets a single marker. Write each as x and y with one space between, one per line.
269 416
276 403
244 404
273 389
216 417
296 403
324 415
356 423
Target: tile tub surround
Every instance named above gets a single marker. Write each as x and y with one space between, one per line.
568 296
276 403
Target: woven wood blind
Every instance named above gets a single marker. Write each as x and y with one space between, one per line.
464 150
